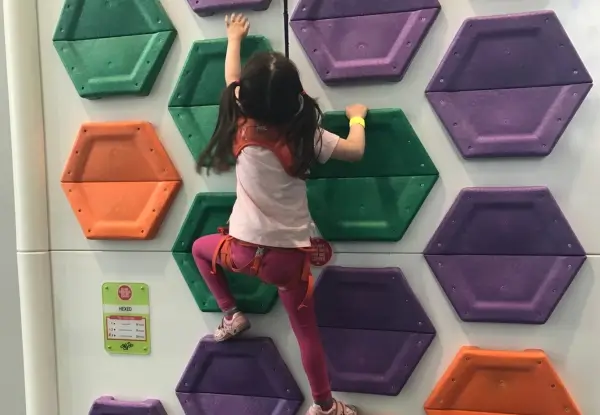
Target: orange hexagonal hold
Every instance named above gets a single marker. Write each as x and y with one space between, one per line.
490 382
119 180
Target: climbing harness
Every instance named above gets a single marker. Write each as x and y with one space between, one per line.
223 255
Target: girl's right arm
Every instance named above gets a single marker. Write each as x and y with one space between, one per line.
353 147
237 28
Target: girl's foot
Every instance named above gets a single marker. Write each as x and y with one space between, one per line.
338 408
231 327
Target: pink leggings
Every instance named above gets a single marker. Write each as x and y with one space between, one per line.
279 268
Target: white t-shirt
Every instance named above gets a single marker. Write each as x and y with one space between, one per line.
271 208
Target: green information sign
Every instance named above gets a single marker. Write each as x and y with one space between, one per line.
126 313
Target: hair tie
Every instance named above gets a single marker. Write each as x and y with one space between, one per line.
236 83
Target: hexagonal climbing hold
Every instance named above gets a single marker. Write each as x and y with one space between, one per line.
196 125
362 40
374 333
210 7
505 254
108 405
119 180
376 198
491 382
238 376
194 104
113 47
202 78
509 85
394 148
367 208
208 212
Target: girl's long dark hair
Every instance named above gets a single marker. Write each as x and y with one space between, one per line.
271 93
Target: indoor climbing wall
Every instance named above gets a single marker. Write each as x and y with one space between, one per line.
465 241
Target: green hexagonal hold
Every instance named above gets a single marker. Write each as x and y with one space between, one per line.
367 208
194 104
376 198
196 125
393 148
208 212
202 78
113 47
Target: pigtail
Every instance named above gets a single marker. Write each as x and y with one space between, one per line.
301 134
217 155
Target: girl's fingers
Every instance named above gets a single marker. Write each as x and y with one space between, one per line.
235 19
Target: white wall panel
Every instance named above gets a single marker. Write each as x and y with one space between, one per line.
12 388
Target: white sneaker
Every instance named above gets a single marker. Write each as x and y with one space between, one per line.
338 408
231 328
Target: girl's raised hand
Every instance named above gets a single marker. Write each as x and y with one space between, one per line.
237 26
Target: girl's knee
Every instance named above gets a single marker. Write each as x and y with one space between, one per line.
204 247
197 248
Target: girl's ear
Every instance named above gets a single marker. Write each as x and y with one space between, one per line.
236 89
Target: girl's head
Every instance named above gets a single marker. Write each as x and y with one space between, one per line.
271 93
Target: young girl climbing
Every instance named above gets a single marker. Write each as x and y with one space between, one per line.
270 127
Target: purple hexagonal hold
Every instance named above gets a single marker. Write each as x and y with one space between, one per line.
362 40
209 7
505 254
509 85
108 405
241 376
375 332
329 9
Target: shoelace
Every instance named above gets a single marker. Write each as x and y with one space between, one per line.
222 325
346 410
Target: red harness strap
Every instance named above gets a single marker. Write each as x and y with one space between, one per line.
251 133
223 252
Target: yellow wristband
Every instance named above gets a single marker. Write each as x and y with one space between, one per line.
357 120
